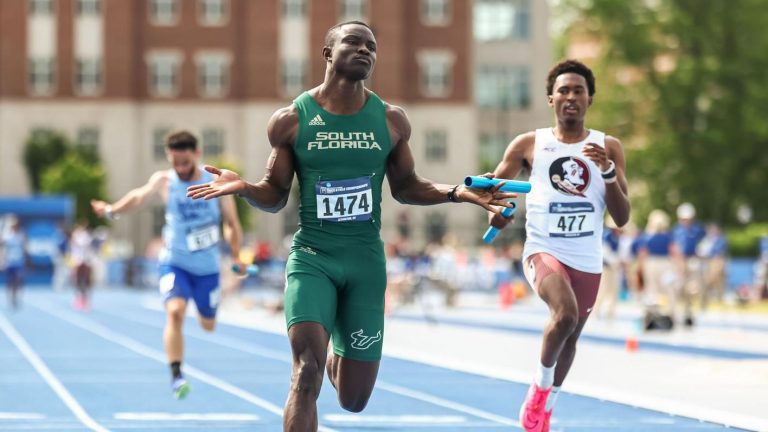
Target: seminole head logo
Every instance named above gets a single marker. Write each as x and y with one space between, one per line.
569 175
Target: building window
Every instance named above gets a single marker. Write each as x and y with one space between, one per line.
164 75
158 142
41 72
436 12
40 7
213 142
294 73
351 10
88 7
213 75
503 87
492 147
436 146
164 12
88 144
88 76
294 8
88 136
213 12
435 73
502 19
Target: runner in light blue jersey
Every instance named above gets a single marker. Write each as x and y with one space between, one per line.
190 259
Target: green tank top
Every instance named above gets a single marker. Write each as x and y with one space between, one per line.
341 162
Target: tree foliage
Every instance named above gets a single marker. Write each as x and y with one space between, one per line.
43 148
682 82
75 176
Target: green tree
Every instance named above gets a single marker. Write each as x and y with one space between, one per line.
43 148
74 176
683 81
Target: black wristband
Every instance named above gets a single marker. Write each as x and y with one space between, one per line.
452 194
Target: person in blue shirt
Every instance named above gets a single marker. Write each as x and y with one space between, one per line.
190 258
713 250
687 234
14 245
610 282
660 276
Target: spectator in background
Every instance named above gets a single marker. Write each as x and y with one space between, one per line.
82 255
660 277
14 244
713 249
761 273
687 234
610 282
58 257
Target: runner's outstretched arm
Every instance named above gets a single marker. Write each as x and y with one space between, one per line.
133 199
409 188
271 192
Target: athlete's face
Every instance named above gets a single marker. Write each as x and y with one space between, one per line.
570 97
183 161
353 55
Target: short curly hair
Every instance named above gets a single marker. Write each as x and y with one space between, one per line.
570 66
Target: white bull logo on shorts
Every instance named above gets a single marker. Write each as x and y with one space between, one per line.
361 342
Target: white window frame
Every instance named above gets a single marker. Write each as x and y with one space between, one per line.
89 76
41 77
206 18
168 61
293 76
158 142
432 65
436 146
436 12
294 9
88 7
207 73
33 7
164 12
354 10
213 137
502 20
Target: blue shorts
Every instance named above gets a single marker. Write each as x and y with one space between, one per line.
177 282
14 272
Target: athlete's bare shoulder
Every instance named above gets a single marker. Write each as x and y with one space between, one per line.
524 141
283 126
399 124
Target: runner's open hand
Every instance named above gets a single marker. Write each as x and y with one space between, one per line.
492 199
226 183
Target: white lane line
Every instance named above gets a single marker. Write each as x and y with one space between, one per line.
434 400
166 416
48 376
235 343
411 420
139 348
21 416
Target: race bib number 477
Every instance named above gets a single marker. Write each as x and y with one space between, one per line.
571 219
344 200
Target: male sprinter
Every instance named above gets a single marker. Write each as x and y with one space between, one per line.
189 261
575 174
341 140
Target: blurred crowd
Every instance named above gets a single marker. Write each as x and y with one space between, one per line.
672 270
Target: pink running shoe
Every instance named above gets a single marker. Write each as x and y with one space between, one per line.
532 415
547 418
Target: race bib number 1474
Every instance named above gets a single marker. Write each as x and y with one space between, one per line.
344 200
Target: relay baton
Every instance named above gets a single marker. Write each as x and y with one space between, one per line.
250 269
492 231
516 186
